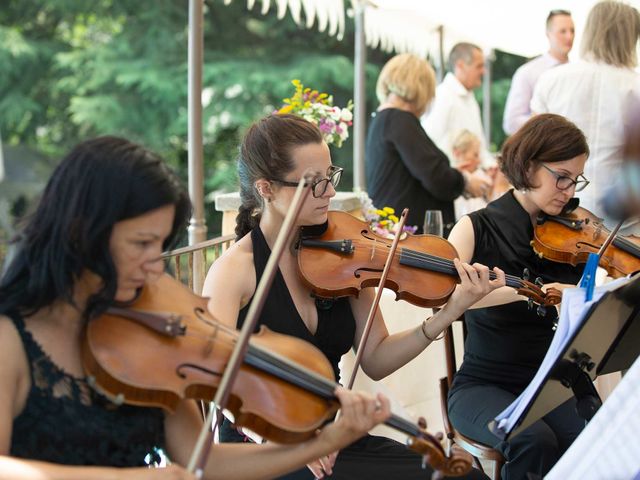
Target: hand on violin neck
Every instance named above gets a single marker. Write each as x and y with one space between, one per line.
359 413
475 283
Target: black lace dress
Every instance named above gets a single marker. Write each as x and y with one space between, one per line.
65 421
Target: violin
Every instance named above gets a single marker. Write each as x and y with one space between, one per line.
571 236
348 256
165 347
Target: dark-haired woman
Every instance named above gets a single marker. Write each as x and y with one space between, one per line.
109 210
506 341
274 155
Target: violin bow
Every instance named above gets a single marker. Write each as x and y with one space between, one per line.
200 451
610 238
376 301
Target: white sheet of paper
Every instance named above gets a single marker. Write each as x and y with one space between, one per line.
572 313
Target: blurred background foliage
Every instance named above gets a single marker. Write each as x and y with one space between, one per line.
72 70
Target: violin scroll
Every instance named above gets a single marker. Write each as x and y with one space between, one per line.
536 295
456 464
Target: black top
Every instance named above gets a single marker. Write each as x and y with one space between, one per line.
336 325
65 421
405 169
505 344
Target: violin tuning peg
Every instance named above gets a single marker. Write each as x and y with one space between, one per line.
422 423
525 274
530 303
538 282
541 311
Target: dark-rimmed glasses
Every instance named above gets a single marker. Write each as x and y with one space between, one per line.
319 186
564 183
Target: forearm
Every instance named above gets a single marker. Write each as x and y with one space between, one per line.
394 352
21 469
398 349
500 296
262 461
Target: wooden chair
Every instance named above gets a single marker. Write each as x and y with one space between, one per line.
478 450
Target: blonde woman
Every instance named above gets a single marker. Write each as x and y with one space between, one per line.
405 169
595 92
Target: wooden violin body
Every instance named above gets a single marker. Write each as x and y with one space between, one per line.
130 361
571 237
348 257
166 347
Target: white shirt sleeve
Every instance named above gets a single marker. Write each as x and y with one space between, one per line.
516 110
436 123
540 93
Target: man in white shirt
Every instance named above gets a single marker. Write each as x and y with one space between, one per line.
455 108
597 93
560 32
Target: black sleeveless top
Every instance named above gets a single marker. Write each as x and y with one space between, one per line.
65 421
505 344
336 325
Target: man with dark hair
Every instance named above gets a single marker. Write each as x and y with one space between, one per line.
560 32
455 108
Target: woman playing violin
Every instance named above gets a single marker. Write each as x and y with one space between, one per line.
506 341
107 213
274 155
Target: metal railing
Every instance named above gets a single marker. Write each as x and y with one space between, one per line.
204 252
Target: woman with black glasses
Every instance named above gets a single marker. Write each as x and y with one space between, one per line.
274 155
506 341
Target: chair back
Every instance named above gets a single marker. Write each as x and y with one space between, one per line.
190 263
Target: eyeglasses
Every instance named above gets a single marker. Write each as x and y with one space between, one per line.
564 183
318 187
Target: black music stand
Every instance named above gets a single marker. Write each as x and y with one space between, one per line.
607 340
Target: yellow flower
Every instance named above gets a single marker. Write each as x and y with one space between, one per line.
382 213
285 109
384 223
389 210
393 218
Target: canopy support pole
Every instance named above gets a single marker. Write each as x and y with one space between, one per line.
360 98
197 225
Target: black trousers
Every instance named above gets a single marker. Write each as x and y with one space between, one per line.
535 450
371 458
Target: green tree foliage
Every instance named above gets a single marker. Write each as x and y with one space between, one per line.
72 70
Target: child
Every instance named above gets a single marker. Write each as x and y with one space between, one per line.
466 153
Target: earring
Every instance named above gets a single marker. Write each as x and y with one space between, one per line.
524 191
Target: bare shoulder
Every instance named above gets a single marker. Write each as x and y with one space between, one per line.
14 370
11 349
462 237
233 272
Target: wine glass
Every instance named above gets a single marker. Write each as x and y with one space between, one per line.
433 224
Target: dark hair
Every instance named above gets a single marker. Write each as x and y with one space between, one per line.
100 182
555 13
266 153
462 51
544 138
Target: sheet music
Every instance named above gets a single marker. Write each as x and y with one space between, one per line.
572 313
609 447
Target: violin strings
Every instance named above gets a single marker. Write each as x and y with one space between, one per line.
285 369
444 263
627 246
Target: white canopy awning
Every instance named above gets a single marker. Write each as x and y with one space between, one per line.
512 26
412 25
